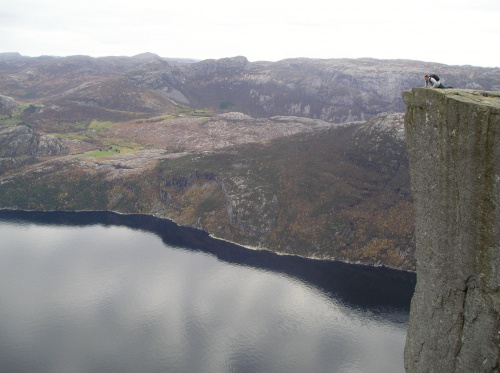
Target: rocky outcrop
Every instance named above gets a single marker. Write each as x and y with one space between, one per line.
18 141
453 140
20 145
7 105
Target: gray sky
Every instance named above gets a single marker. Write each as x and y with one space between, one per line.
454 32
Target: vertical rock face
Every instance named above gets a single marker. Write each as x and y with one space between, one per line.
453 139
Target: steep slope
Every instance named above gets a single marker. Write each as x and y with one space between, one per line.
310 191
306 194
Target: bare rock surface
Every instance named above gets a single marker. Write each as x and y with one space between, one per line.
22 140
7 105
197 134
21 145
454 148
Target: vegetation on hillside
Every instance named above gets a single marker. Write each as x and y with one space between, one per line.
301 195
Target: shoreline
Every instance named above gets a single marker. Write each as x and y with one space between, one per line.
211 236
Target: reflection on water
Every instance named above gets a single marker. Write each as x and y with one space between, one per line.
101 292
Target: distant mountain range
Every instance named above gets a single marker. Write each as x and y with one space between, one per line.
123 88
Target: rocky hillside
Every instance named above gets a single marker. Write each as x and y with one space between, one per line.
338 90
310 194
305 189
82 89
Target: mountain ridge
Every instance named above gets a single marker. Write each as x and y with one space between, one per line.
335 90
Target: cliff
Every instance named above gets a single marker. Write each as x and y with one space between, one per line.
453 140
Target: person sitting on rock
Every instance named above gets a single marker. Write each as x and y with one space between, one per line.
434 82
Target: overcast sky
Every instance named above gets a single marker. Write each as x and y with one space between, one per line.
454 32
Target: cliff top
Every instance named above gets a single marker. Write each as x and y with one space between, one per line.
483 98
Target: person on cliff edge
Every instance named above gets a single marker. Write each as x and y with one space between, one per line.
434 82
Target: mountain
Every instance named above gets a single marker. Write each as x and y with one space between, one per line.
333 90
125 88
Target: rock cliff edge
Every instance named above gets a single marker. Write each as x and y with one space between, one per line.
453 140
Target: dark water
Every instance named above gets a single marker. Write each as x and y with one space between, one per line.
100 292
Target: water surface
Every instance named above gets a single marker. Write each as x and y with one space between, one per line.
100 292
